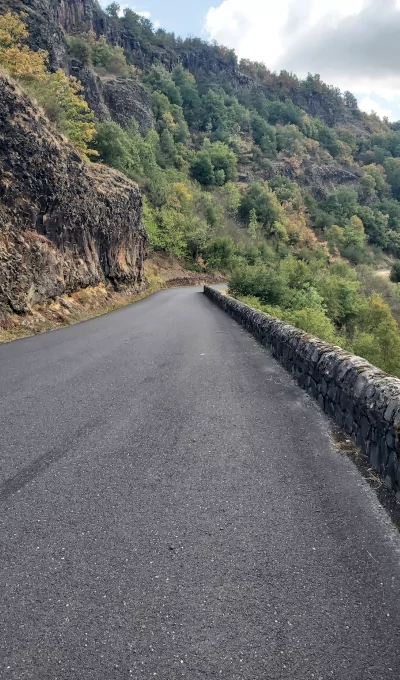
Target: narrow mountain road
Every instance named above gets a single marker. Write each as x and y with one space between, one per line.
171 506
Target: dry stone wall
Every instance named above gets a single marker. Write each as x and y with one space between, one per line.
364 401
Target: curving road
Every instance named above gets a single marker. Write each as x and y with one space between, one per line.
171 506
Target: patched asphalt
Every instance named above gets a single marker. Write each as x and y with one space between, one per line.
172 506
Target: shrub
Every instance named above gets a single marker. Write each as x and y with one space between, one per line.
220 253
63 103
79 48
395 273
260 281
110 58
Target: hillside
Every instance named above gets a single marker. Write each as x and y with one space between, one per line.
281 183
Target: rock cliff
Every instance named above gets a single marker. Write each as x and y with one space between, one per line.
64 224
112 98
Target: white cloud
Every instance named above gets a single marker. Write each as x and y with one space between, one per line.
369 105
353 44
141 13
262 29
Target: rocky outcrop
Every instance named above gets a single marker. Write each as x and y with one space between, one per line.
364 401
64 223
319 179
332 111
126 99
117 99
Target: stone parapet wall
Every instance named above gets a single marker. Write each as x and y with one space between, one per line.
364 401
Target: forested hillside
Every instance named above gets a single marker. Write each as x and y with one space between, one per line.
281 183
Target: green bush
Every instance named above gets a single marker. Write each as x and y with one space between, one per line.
79 48
219 254
264 202
395 272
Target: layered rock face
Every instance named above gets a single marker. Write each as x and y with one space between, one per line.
64 224
117 99
319 178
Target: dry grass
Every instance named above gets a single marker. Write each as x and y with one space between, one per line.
82 305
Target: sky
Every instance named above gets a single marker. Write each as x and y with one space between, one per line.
352 44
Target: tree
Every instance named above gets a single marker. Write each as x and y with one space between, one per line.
189 93
113 10
113 146
313 321
167 146
151 225
354 240
59 95
335 237
220 253
109 57
232 198
223 158
259 198
354 233
375 224
395 273
283 112
350 101
392 168
15 57
388 340
63 102
327 138
377 337
341 298
297 273
158 79
341 205
210 210
253 228
285 190
391 208
289 139
263 134
80 49
214 164
202 168
375 175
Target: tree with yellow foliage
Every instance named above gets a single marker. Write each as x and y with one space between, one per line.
61 98
18 59
59 95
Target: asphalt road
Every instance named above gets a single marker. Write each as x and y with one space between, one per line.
172 506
